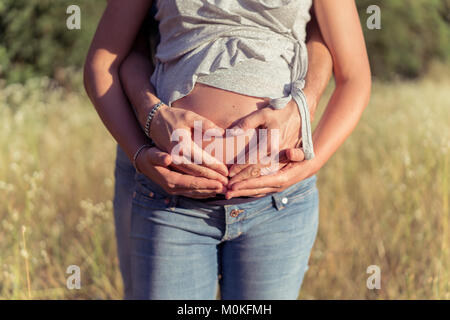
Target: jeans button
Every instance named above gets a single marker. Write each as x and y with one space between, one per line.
284 200
235 212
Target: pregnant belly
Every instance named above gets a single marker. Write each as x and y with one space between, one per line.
224 108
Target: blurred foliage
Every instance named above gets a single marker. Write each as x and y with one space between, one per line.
384 197
35 41
413 33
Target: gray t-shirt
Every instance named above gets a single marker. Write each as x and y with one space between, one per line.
252 47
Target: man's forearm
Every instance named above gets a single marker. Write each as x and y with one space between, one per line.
109 47
135 74
320 66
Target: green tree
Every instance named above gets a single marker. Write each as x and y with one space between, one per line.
412 34
34 39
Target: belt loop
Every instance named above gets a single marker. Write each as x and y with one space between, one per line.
277 202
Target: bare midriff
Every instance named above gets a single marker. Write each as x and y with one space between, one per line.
222 107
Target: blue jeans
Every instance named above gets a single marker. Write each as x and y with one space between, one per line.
182 247
123 195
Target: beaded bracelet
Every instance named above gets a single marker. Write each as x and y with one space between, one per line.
150 117
136 154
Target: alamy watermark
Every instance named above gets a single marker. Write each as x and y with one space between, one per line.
239 146
374 20
74 280
73 22
374 280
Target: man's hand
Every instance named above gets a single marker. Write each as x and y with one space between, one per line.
155 165
134 74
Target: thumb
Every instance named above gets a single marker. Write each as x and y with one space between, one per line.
295 154
252 121
159 158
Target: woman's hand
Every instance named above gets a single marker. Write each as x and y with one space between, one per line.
155 165
341 30
320 65
286 120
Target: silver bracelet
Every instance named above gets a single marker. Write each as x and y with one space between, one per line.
150 117
136 154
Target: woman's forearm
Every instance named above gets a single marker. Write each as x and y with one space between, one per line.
341 29
340 118
320 65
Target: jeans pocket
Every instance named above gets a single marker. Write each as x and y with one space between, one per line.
295 193
148 194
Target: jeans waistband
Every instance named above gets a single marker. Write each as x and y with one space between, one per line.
146 185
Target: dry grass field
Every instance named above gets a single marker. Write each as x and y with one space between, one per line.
384 197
